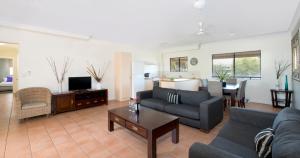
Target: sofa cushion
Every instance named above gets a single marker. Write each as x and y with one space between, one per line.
33 105
286 142
183 110
153 103
285 115
162 93
240 133
233 147
193 97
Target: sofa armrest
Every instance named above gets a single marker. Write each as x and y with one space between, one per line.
211 112
143 95
252 117
198 150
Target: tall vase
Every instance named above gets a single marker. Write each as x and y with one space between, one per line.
278 84
286 85
60 87
98 85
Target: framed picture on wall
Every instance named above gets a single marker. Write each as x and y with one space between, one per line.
296 57
174 65
179 64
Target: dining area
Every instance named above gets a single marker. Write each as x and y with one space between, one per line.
232 90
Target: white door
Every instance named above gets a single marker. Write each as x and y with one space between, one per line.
123 72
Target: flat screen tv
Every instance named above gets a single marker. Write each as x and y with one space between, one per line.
80 83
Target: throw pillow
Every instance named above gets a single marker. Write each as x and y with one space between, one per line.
9 79
173 97
263 143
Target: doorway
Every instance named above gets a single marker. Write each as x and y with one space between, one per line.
6 75
8 67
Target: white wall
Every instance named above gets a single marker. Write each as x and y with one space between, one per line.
190 52
273 47
35 47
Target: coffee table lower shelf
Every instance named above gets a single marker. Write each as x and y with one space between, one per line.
150 134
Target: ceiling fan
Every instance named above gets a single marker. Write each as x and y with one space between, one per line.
200 4
201 29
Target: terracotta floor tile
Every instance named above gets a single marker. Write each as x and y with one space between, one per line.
61 139
69 150
91 145
99 154
46 153
40 145
126 153
24 153
81 136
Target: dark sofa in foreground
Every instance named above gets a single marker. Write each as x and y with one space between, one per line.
236 139
196 108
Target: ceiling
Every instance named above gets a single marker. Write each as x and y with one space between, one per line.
153 22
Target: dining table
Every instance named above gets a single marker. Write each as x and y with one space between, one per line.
231 89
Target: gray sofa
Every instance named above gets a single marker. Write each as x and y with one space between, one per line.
236 139
196 108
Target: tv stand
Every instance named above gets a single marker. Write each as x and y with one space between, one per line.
75 100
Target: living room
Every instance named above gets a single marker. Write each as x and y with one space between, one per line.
160 54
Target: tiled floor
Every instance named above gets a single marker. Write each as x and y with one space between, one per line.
84 134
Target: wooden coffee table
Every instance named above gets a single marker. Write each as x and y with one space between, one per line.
149 124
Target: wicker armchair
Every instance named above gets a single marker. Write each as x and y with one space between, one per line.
30 102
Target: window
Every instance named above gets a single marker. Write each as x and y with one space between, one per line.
238 65
179 64
223 61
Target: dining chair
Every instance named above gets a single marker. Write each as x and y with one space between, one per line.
215 88
155 83
231 81
203 84
240 97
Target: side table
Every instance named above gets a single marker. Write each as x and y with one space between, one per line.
287 100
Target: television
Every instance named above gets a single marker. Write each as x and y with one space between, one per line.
80 83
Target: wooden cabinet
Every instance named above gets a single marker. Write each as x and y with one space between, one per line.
63 102
75 100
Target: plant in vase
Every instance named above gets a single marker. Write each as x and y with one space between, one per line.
222 74
59 77
97 75
280 68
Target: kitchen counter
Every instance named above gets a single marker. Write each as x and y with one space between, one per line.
181 83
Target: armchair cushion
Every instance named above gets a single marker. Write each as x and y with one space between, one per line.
233 147
240 133
33 105
183 110
252 117
199 150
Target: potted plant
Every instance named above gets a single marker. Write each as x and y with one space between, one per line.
97 75
280 68
222 74
59 78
